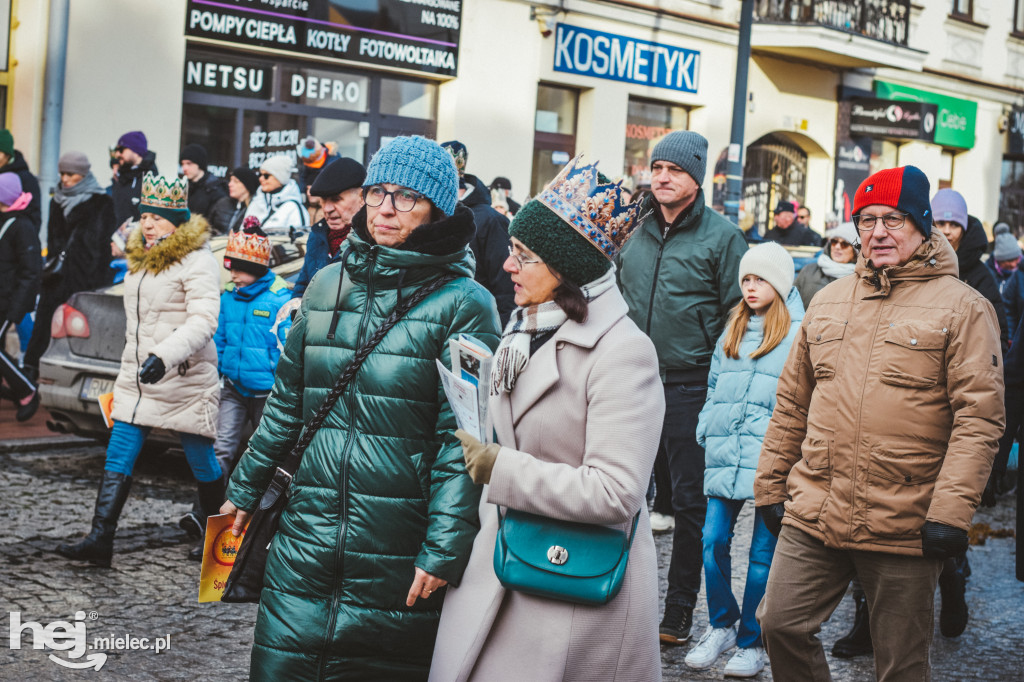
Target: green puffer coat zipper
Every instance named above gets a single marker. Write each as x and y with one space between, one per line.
382 487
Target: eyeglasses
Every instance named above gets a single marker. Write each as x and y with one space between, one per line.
266 175
520 261
402 199
891 221
841 243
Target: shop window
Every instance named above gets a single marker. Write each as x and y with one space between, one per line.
646 123
411 99
775 170
554 137
349 136
1011 194
963 9
215 129
267 133
1018 17
884 154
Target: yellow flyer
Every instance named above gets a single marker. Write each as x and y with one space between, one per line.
218 556
106 402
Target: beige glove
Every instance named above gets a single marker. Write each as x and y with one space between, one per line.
479 457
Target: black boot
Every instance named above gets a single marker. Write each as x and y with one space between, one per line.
98 546
953 589
211 497
857 641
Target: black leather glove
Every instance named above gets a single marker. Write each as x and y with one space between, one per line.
772 515
152 370
939 541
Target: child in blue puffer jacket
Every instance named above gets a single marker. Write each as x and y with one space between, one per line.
248 340
745 370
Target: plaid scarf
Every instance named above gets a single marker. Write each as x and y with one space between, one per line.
513 353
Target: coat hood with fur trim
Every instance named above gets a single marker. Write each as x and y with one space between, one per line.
189 237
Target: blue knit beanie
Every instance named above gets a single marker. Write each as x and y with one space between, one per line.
419 164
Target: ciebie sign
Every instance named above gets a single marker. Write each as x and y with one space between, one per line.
606 55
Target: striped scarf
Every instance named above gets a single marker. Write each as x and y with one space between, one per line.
513 353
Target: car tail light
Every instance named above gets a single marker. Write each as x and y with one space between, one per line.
68 322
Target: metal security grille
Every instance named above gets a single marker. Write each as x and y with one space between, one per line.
886 20
775 170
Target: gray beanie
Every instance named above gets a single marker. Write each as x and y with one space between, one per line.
772 263
686 149
74 162
1006 246
280 166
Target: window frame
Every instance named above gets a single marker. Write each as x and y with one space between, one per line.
957 13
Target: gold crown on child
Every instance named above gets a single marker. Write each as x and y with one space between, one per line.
254 248
161 192
601 212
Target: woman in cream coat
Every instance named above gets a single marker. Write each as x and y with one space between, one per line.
168 376
577 407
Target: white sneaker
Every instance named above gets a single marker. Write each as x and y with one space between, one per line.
713 643
662 523
746 662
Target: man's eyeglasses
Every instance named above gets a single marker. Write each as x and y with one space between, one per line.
402 199
891 221
520 261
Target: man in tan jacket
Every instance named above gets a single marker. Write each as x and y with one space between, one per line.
889 412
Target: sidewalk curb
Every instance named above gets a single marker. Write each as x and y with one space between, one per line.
44 443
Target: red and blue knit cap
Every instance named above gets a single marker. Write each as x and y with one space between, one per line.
905 189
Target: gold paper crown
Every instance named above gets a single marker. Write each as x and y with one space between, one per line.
254 248
600 212
161 192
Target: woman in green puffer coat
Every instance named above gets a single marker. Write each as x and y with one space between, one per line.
381 512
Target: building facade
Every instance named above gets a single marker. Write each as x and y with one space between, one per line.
527 85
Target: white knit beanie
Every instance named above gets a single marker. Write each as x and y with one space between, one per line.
280 166
845 231
772 263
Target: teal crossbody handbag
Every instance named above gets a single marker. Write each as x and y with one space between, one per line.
580 563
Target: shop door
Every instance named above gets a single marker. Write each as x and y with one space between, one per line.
554 137
775 170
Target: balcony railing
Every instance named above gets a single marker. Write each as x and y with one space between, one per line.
886 20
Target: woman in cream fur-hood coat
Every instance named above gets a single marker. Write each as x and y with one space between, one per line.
172 301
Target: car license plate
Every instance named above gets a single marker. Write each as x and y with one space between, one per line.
94 387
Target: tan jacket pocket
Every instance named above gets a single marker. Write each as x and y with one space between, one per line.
913 355
899 490
810 480
824 341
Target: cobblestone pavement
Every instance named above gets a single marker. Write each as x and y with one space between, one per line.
150 592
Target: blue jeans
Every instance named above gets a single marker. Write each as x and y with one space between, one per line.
126 442
723 610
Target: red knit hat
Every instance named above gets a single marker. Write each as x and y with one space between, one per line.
905 189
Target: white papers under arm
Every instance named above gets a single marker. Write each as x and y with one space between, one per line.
462 395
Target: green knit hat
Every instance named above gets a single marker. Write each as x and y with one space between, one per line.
568 252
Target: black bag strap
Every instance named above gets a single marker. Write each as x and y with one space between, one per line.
291 463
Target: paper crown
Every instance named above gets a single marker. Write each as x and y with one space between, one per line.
600 212
254 248
161 192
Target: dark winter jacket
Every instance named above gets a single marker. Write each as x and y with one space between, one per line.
318 255
794 235
382 487
974 273
29 184
490 246
84 235
20 263
247 347
127 188
1013 299
203 197
1002 276
680 288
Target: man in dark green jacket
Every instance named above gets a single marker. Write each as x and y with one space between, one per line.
679 274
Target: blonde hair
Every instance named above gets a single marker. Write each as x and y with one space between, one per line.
776 326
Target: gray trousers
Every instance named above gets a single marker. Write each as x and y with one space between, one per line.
807 582
238 418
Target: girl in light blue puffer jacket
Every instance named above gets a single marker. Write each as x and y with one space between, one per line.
745 370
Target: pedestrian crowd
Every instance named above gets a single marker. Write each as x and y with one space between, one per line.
644 357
